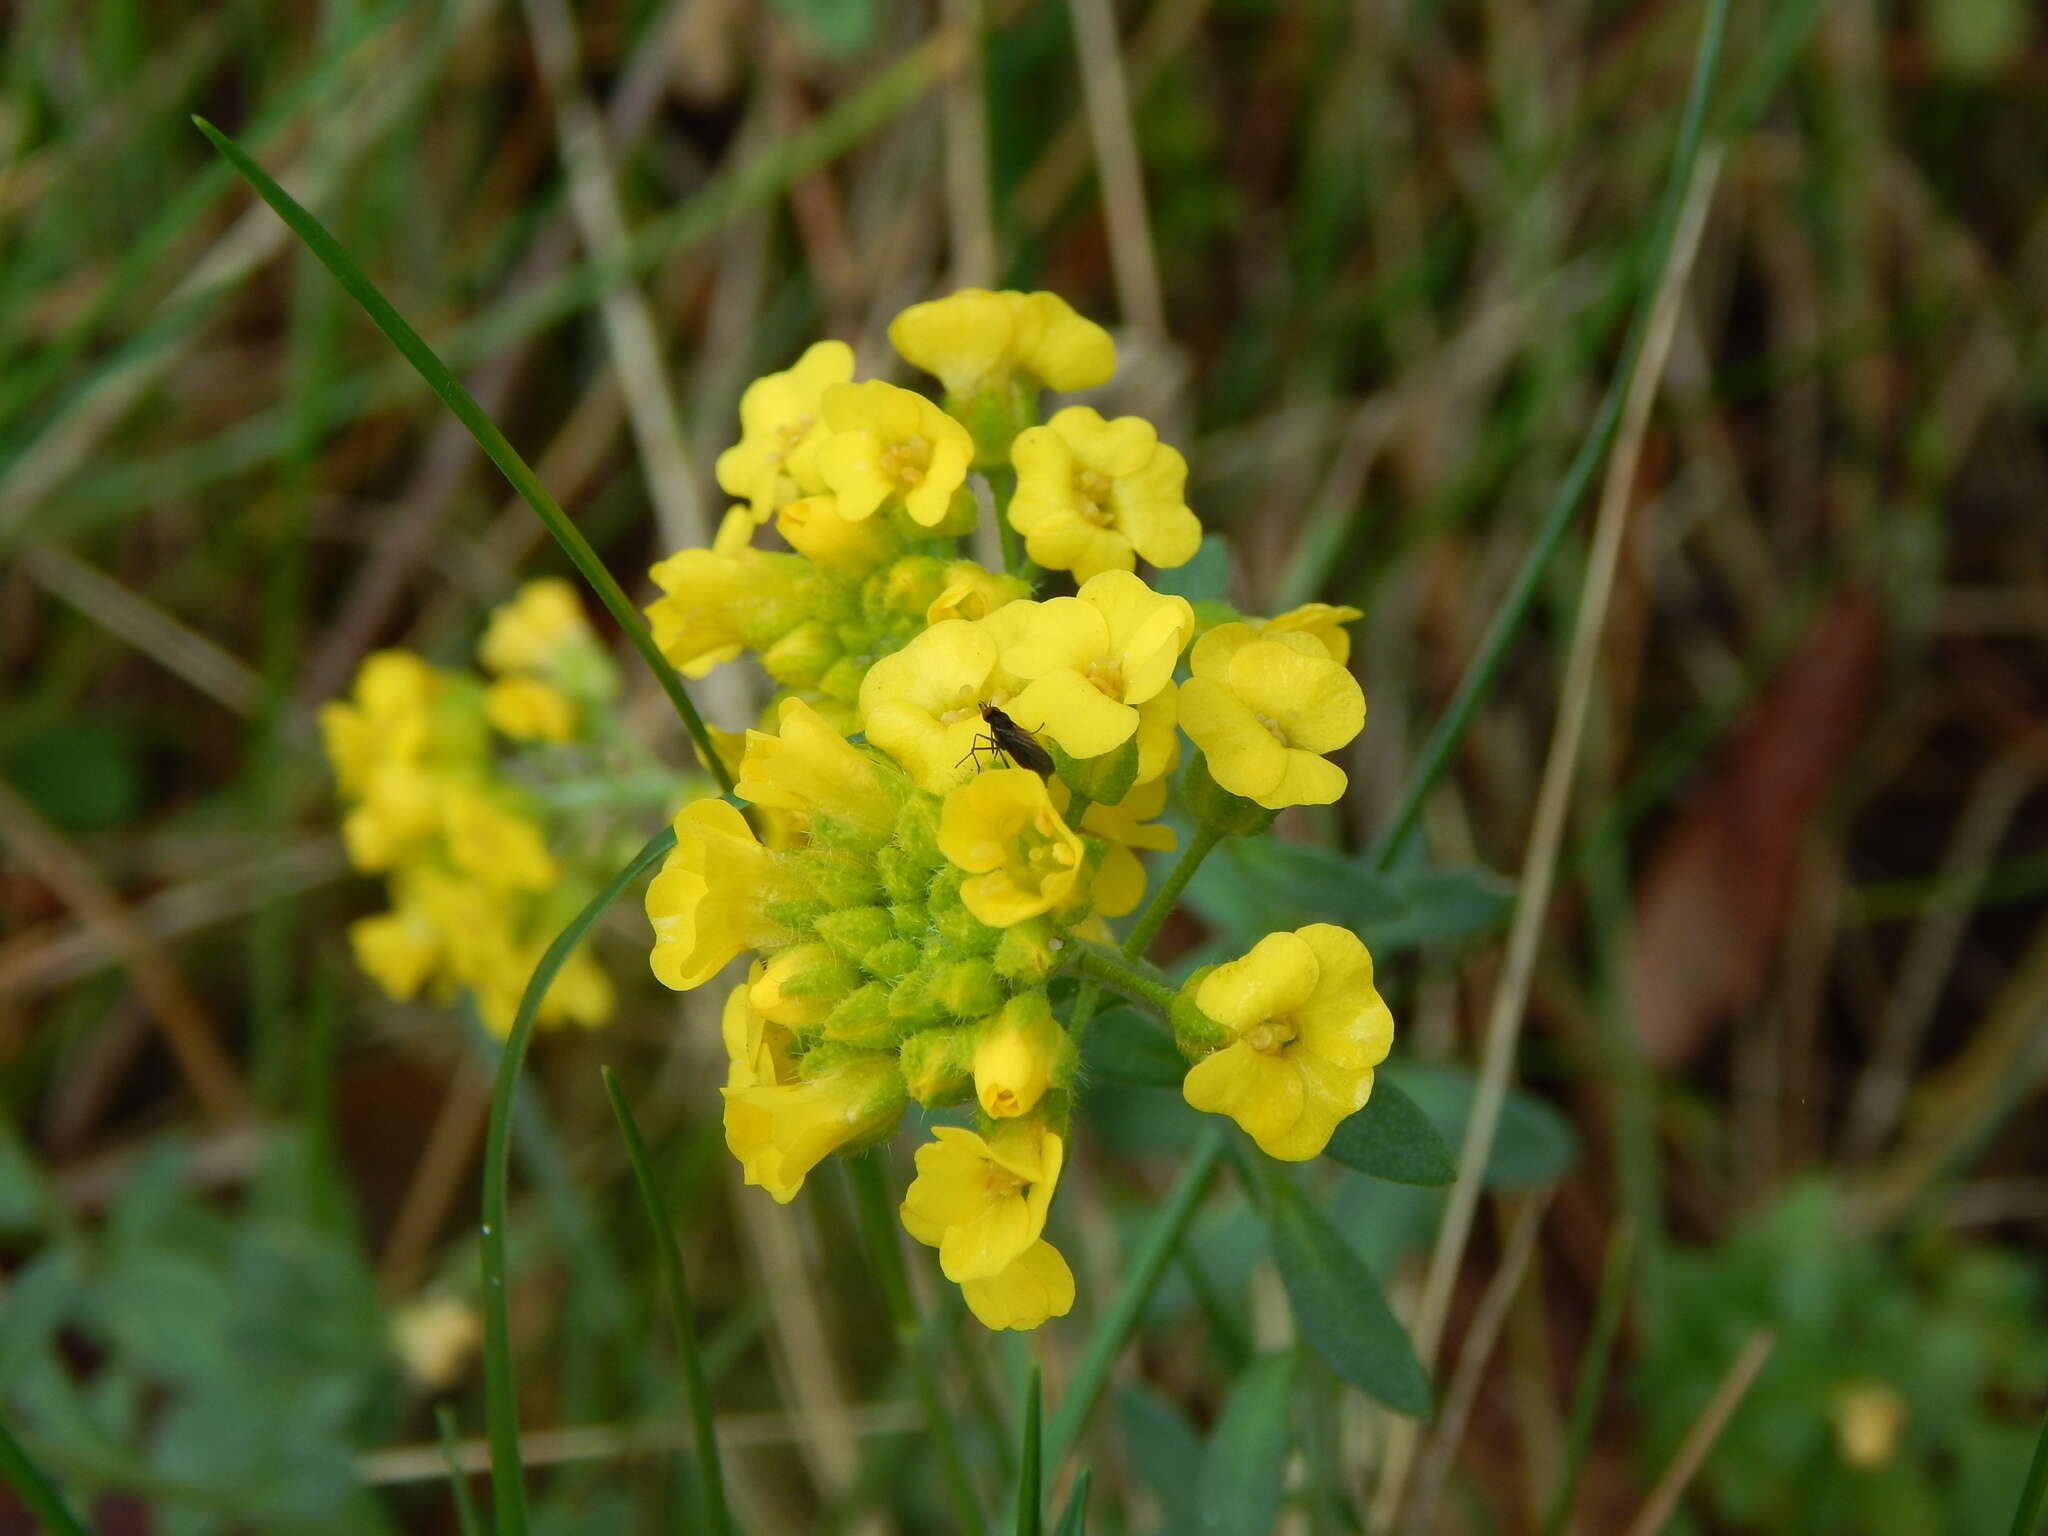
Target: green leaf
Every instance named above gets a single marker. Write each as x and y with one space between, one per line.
1253 886
1391 1138
1203 578
836 28
38 1494
1338 1306
1243 1474
1127 1045
1533 1144
82 775
1164 1448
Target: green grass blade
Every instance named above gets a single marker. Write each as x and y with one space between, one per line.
501 1405
500 452
466 1516
1074 1518
1030 1474
2027 1518
1106 1339
1592 1382
37 1493
1514 609
669 1254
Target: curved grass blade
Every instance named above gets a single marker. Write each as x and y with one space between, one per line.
2027 1518
466 1516
500 452
1030 1475
501 1406
669 1254
1074 1519
38 1494
1514 609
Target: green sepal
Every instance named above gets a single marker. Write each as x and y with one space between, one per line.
861 1020
894 959
1105 778
856 930
938 1066
968 989
1214 806
801 658
840 880
993 416
1028 952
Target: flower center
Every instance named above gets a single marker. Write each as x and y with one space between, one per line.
907 461
1002 1183
1107 674
1273 727
790 434
1271 1035
1091 490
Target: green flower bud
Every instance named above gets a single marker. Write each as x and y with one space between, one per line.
896 958
842 679
914 1005
839 880
1193 1030
968 989
938 1066
1028 951
960 932
903 878
1104 779
803 656
917 834
862 1019
910 586
912 920
856 930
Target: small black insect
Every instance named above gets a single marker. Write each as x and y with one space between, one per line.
1010 742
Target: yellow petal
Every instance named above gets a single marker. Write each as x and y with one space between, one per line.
1037 1285
1244 757
1276 977
1074 713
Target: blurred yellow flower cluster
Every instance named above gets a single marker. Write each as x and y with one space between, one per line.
916 899
462 841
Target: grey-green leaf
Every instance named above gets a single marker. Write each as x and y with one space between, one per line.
1338 1305
1533 1143
1127 1045
1243 1475
1391 1138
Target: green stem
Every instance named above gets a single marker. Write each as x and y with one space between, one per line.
1153 918
466 1518
501 1399
38 1494
878 1228
1104 966
2026 1519
1592 1382
1113 1328
1030 1476
669 1256
500 452
1514 609
1002 485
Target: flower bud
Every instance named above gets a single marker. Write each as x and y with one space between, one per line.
800 985
862 1018
1015 1054
892 960
856 930
968 989
938 1066
839 880
1028 951
803 656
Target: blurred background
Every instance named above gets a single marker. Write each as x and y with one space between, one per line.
1370 265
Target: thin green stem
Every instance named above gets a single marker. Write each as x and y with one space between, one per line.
467 1520
1153 918
497 449
1107 968
1514 609
1002 486
501 1400
885 1250
669 1256
36 1491
1113 1328
1592 1382
1030 1474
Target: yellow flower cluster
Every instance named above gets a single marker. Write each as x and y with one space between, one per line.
916 901
475 893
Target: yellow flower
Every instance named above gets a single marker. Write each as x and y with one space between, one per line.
401 807
1868 1415
1014 1056
1092 494
1094 660
399 950
434 1338
808 769
526 634
972 593
816 529
1263 709
710 899
1126 827
781 428
975 339
1323 621
1021 858
756 1047
493 842
781 1131
1306 1029
891 445
716 604
981 1201
736 531
921 705
1036 1285
527 709
386 722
